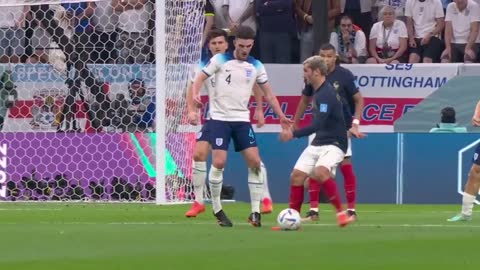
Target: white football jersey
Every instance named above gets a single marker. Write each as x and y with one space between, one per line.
234 80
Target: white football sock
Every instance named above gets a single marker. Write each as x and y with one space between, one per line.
266 191
255 185
199 175
215 179
467 204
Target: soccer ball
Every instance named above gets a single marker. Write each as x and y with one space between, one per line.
289 219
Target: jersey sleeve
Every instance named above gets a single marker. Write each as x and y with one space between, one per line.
409 8
307 90
214 64
439 10
475 8
375 31
324 106
402 30
209 10
351 84
262 76
194 70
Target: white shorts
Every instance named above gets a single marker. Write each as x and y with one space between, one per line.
328 156
349 149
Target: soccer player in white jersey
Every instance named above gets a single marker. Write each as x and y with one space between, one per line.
218 43
235 74
473 184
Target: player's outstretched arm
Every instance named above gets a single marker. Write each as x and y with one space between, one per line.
476 115
301 107
359 103
191 108
318 123
259 116
190 102
273 101
197 85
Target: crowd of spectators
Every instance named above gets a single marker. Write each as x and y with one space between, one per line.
371 31
113 31
362 31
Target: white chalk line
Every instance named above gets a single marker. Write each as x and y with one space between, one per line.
357 224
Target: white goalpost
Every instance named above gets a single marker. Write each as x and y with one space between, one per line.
160 71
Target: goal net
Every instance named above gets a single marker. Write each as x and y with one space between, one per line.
92 99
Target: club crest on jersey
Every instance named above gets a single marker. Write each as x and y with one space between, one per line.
336 85
323 107
218 141
248 73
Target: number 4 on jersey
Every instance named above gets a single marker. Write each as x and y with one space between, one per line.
229 78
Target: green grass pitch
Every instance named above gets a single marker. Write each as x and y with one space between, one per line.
142 236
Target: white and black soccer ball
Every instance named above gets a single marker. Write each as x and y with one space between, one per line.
289 220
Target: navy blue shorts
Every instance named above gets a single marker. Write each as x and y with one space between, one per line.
222 131
476 155
203 134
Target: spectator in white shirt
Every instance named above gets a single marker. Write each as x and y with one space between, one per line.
12 34
388 39
461 32
349 42
132 43
425 22
240 12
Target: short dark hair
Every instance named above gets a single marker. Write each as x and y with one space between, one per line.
327 47
214 33
448 115
245 32
346 17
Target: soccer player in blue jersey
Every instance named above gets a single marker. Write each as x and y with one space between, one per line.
217 43
344 83
473 184
330 144
235 74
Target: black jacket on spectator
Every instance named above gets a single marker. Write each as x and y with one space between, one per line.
276 16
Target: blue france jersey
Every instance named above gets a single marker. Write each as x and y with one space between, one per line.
328 123
344 83
234 80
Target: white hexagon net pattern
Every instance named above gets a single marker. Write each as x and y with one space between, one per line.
78 96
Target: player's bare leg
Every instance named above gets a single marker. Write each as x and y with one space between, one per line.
471 190
255 183
349 185
215 180
200 156
267 203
